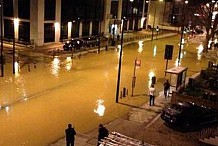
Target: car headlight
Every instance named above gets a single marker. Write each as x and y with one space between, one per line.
173 119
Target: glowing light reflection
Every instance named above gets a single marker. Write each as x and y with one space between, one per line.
55 67
100 107
150 75
118 55
200 49
140 49
155 51
17 68
68 64
7 109
176 62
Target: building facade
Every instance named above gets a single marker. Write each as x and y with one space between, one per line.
49 21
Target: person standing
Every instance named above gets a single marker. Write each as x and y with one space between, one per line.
152 92
70 135
166 88
102 133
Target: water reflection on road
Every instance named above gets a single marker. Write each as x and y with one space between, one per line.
39 101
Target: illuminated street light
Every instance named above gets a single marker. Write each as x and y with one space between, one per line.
1 23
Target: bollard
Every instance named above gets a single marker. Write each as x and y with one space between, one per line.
121 94
34 64
124 92
106 48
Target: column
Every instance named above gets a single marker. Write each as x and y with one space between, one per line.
37 21
148 22
80 28
143 15
120 5
119 14
90 28
107 14
127 27
69 29
57 21
133 24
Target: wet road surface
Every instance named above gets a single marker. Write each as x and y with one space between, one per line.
39 101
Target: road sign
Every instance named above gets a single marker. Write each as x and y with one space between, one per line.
138 62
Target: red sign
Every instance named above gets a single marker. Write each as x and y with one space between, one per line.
138 62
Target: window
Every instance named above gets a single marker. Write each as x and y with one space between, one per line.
50 6
24 9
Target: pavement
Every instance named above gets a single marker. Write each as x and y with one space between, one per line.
138 119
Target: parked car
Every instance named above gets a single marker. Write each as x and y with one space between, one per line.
91 41
73 43
187 114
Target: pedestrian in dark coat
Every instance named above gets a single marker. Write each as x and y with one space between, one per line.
166 88
70 135
102 133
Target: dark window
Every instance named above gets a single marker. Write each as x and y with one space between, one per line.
8 8
82 9
132 9
86 28
75 29
8 29
50 9
24 31
24 9
114 8
49 32
64 30
130 24
95 27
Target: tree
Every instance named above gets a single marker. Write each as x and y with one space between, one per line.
208 17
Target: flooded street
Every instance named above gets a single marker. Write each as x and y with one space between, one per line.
40 100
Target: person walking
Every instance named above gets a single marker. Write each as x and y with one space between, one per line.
102 133
70 135
152 93
166 88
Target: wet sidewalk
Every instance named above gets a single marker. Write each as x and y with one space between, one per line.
133 125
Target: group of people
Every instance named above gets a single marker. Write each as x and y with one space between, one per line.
152 92
70 134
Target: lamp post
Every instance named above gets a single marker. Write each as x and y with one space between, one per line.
182 31
13 38
99 44
1 23
120 63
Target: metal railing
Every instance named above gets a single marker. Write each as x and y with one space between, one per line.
209 132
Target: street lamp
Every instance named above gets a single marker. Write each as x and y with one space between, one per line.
120 63
13 65
182 31
1 23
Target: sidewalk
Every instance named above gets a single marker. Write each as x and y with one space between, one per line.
134 125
